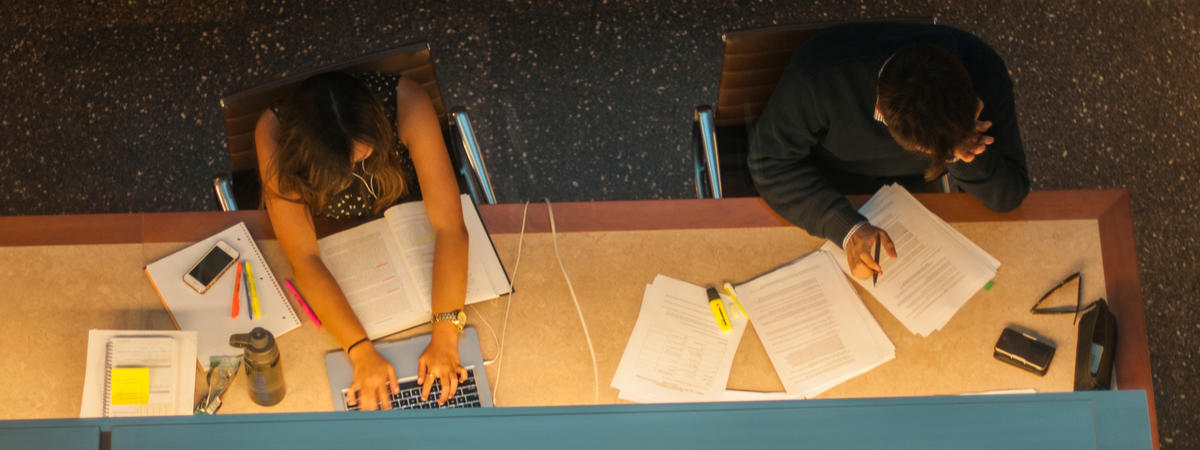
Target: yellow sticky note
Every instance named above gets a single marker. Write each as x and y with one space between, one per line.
130 386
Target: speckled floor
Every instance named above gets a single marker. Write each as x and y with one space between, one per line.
113 106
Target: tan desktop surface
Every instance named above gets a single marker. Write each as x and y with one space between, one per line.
546 360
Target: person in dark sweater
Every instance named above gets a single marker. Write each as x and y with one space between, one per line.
864 105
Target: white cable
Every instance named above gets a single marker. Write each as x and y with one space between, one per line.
578 310
495 338
512 293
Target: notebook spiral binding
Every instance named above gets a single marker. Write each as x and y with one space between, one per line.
108 358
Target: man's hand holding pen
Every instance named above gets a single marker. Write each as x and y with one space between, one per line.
859 248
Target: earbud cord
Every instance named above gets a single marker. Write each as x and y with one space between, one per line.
370 190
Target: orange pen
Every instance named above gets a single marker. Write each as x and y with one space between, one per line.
237 283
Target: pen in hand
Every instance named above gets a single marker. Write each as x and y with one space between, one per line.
875 274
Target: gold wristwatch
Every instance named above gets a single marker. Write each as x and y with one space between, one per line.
456 317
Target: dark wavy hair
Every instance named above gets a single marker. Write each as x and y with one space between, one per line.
926 99
318 127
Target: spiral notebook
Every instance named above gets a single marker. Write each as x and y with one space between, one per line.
209 313
139 373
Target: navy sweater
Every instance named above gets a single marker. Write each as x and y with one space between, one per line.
820 120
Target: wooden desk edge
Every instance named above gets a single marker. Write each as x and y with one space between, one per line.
1124 289
749 212
625 215
71 229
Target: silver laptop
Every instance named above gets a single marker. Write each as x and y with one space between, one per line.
403 354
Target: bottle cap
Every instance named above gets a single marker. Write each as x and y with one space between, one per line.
259 344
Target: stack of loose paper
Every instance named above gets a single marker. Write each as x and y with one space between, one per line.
815 329
676 352
937 271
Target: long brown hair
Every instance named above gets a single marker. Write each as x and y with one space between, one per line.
928 103
318 127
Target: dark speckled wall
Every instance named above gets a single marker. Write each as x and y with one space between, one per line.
113 106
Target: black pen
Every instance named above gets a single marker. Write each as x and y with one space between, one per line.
875 274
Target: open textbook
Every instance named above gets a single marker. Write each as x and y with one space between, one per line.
385 267
938 268
814 327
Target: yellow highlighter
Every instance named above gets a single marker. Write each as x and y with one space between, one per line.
253 292
718 309
729 290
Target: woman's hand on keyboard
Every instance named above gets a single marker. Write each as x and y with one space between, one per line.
440 362
374 377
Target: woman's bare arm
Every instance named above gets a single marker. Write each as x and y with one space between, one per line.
293 225
419 130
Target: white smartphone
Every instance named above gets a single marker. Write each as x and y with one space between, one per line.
208 269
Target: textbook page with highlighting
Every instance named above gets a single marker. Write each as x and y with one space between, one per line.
676 352
385 267
415 239
937 271
814 327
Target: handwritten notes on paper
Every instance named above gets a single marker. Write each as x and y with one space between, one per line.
677 353
139 373
143 375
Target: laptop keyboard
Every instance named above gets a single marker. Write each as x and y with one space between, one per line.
409 397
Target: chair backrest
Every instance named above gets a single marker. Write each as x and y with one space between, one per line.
752 63
243 109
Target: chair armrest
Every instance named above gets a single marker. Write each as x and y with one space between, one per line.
944 183
474 171
224 193
706 157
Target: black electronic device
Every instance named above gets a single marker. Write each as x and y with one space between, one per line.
215 262
1024 350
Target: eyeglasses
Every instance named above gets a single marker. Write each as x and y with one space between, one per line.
1078 309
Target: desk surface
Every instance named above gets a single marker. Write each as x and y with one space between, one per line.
700 241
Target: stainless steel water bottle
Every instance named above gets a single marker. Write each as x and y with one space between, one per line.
264 373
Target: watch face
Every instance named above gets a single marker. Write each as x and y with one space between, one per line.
461 319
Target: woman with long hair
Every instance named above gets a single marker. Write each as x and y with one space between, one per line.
348 146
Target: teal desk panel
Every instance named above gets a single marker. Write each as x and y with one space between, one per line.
1084 420
49 436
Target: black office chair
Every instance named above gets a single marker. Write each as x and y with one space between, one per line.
242 186
751 64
